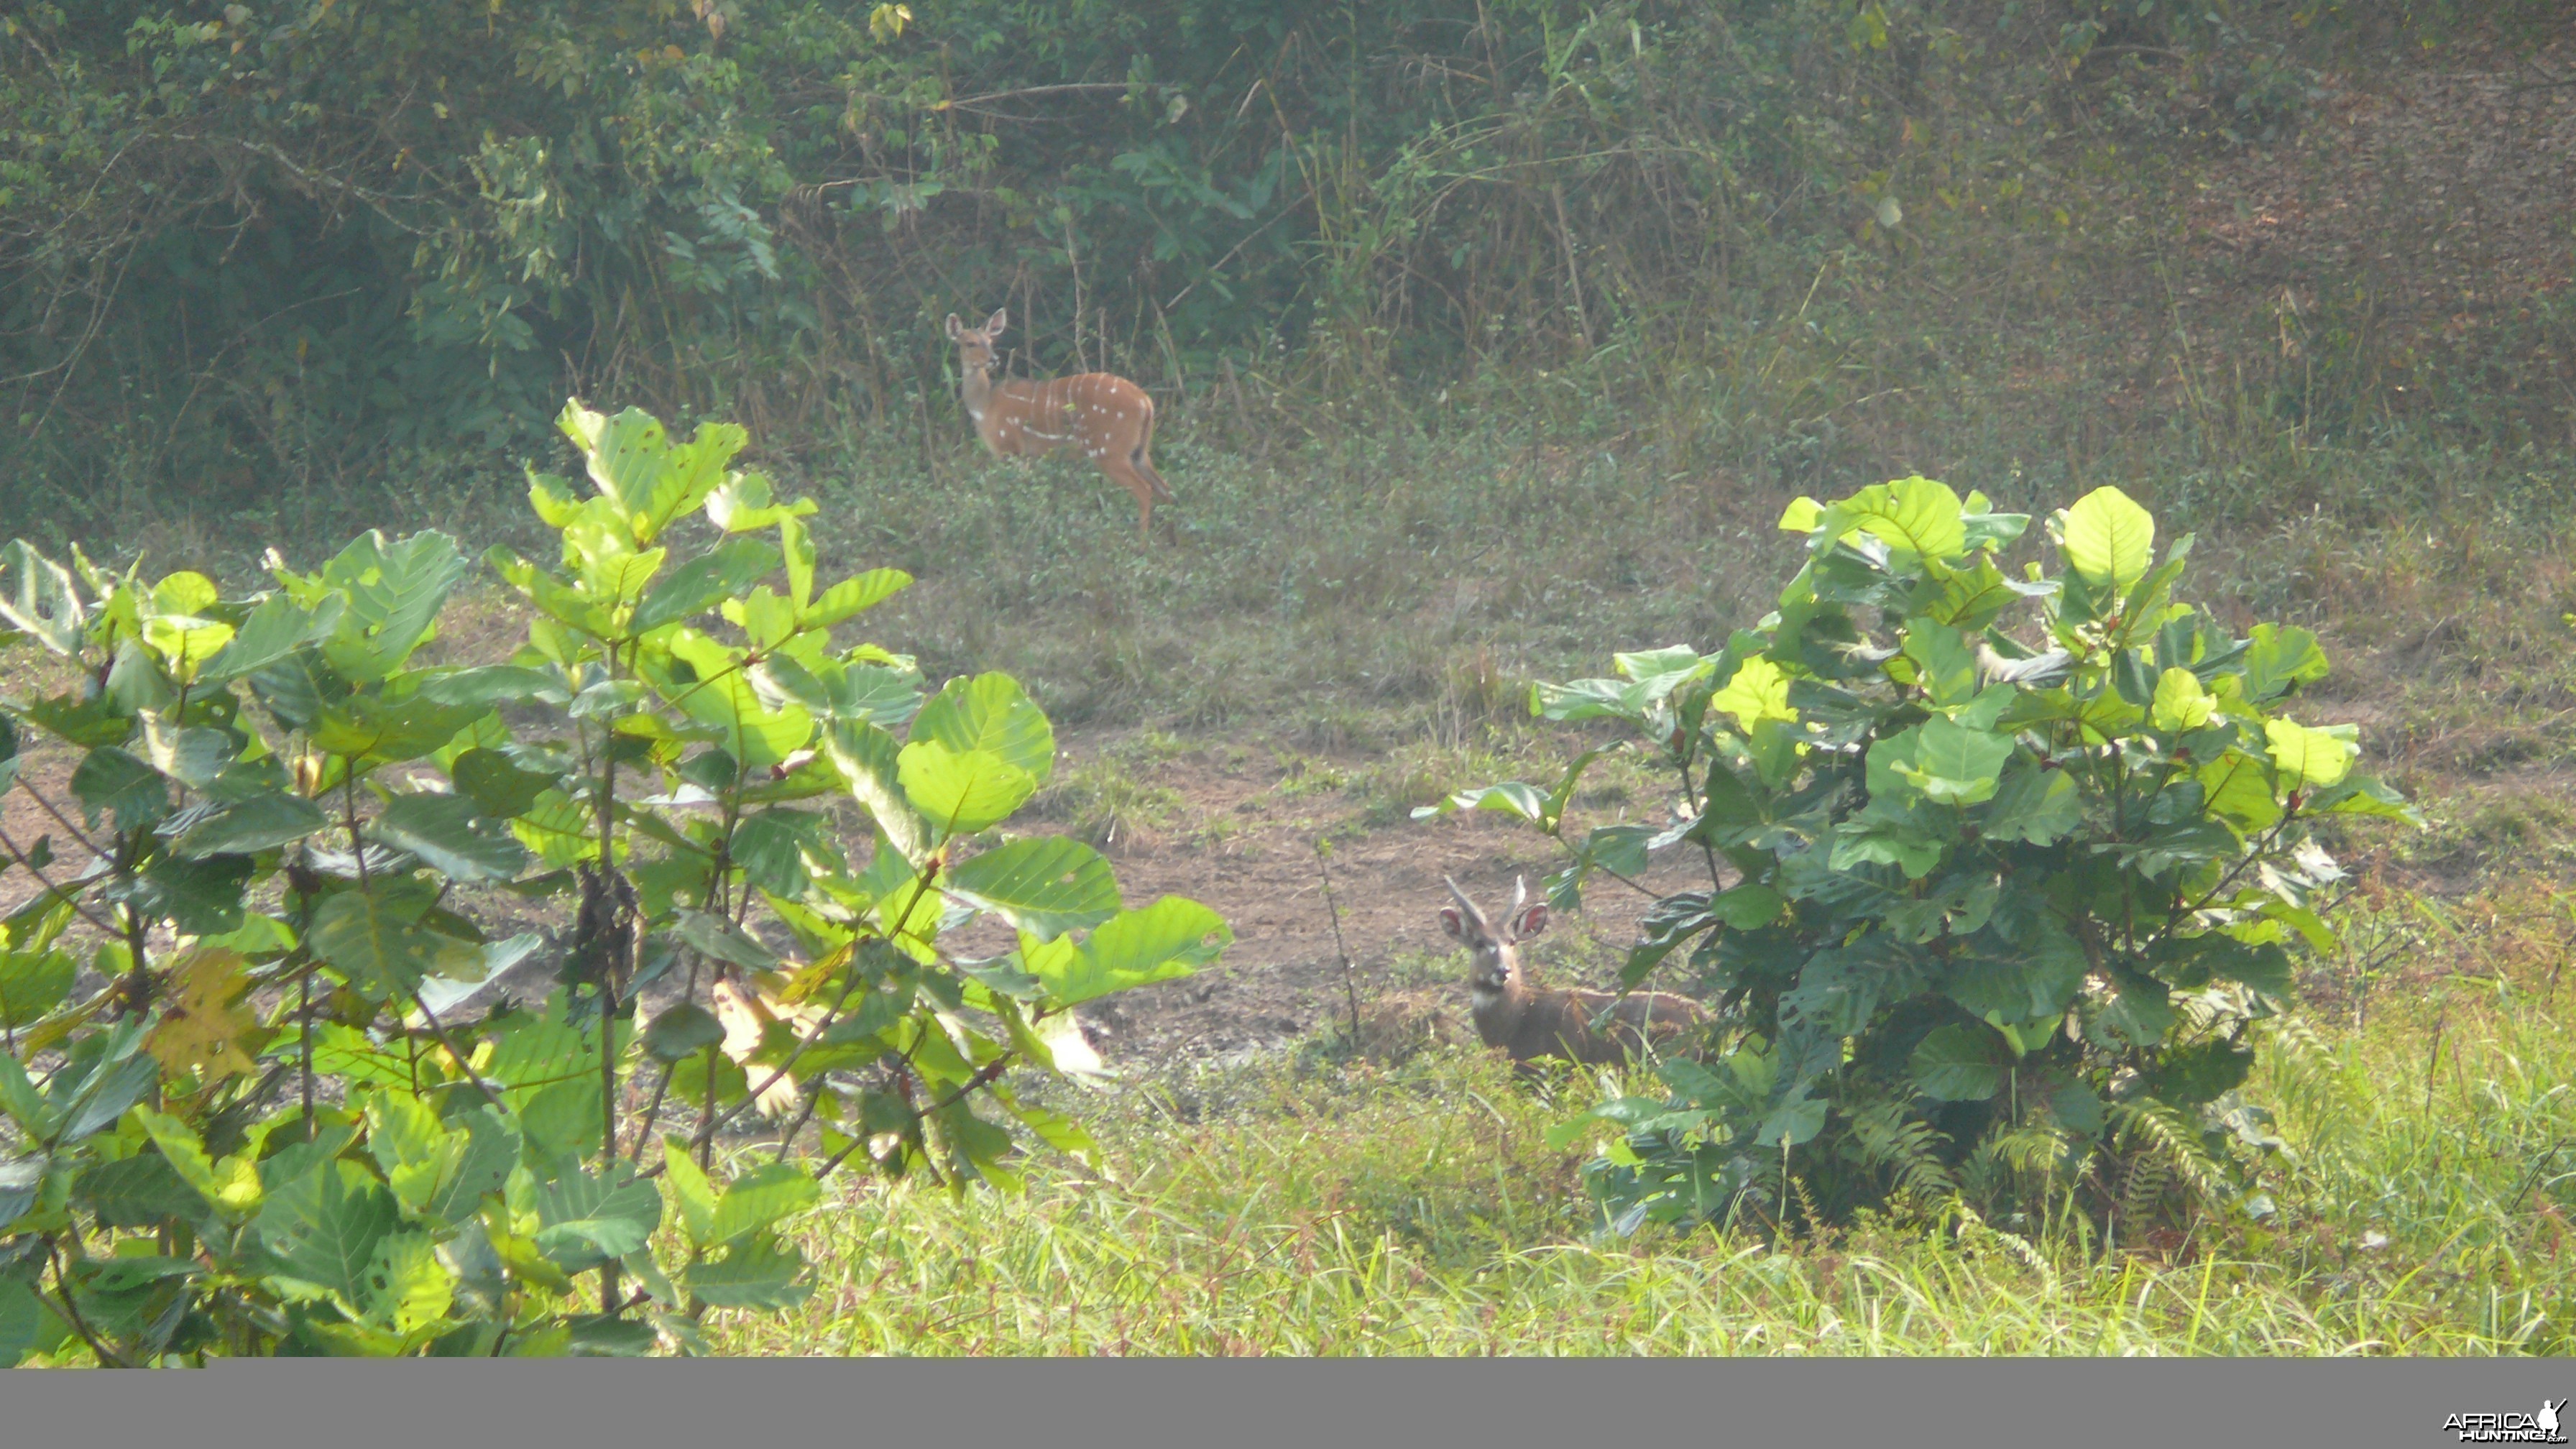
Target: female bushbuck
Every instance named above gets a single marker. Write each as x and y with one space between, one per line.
1109 418
1532 1021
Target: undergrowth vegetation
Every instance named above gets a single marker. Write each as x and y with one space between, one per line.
1419 1210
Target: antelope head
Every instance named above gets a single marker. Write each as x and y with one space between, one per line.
975 344
1494 968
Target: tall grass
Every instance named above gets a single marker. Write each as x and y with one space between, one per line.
1324 1209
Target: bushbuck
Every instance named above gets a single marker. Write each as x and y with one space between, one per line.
1110 419
1532 1021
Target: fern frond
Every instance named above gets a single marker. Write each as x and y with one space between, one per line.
2169 1140
1906 1147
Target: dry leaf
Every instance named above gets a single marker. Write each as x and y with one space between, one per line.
745 1015
205 1027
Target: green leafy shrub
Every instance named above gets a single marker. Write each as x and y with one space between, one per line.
270 1131
1987 919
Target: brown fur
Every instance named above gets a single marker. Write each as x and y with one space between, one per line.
1103 416
1530 1021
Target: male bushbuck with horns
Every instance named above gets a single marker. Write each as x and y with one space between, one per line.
1532 1021
1109 418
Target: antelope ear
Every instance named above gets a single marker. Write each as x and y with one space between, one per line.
1530 922
1000 319
1451 922
954 326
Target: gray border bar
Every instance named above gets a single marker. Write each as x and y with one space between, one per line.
738 1404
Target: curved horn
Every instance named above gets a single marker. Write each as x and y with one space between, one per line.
1466 905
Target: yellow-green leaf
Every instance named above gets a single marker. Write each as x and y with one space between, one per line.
2181 704
2108 538
2311 756
1758 691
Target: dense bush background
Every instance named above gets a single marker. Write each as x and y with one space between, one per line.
260 258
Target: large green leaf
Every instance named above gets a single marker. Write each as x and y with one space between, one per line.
21 1103
723 696
853 596
652 480
262 822
23 1321
588 1219
869 760
961 792
1951 764
703 582
760 1198
113 782
2308 756
143 1191
680 1031
989 713
770 847
371 937
754 1273
43 600
395 591
450 836
1956 1063
323 1227
2034 804
33 981
496 785
1511 797
1918 515
717 938
483 685
2180 701
742 503
690 1192
112 1086
2108 539
277 627
1798 1118
199 897
372 730
409 1291
19 1182
2031 979
1884 837
1167 940
2277 659
1045 885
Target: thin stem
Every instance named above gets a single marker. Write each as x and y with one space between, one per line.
984 1077
59 819
57 892
653 1112
304 1015
608 982
72 1313
1350 987
707 1130
463 1063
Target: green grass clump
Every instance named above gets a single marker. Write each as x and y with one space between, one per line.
1345 1210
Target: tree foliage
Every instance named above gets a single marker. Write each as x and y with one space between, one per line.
273 1131
2003 871
246 238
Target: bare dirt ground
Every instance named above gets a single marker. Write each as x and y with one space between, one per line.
1231 843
